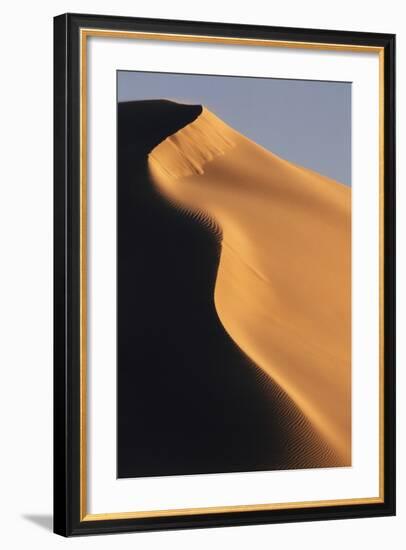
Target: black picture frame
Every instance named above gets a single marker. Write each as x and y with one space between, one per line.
68 520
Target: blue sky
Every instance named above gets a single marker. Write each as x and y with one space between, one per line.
306 122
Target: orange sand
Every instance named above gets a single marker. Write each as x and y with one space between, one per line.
283 288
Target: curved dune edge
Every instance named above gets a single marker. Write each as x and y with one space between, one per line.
283 284
187 151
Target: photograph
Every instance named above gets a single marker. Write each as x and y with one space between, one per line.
234 274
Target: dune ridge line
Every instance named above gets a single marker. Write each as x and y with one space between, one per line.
186 152
283 286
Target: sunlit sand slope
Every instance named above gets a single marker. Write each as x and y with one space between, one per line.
283 289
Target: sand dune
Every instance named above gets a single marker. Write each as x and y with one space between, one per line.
284 278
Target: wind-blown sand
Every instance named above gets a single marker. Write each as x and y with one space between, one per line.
283 289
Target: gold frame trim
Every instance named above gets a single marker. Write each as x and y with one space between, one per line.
84 34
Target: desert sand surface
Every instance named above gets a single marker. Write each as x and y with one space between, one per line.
283 286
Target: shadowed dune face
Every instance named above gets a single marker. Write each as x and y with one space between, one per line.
283 286
145 124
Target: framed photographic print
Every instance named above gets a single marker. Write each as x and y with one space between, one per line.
224 274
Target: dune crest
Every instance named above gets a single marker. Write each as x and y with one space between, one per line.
187 151
283 287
